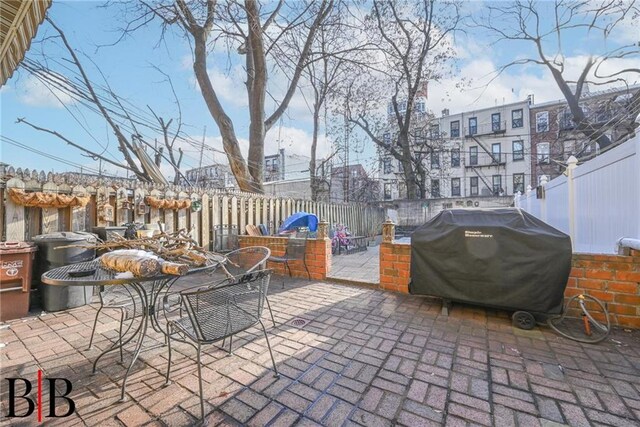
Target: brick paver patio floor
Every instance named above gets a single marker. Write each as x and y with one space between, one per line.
364 357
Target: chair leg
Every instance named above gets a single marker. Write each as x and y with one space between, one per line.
306 268
167 381
270 312
269 347
95 324
120 334
230 344
200 384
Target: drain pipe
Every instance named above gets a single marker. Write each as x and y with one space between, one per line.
625 243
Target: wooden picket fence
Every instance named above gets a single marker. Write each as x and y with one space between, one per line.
126 197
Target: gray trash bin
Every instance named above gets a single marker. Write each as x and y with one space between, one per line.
56 298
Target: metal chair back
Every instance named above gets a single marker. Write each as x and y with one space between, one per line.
225 238
297 246
219 312
246 260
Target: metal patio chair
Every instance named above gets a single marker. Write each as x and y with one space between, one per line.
242 261
225 238
216 313
296 251
122 299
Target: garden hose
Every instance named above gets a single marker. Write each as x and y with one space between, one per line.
588 320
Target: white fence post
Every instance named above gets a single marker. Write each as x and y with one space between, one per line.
528 198
543 200
572 163
516 199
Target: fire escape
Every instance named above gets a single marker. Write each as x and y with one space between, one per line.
487 158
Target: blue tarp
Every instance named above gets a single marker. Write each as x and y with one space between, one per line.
300 219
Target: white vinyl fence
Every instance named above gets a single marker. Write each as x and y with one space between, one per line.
597 203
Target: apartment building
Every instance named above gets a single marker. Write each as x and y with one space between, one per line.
477 153
554 133
211 176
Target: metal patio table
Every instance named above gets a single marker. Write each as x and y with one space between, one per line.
148 297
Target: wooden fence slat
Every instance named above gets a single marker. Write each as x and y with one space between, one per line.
16 226
79 214
205 222
49 215
194 220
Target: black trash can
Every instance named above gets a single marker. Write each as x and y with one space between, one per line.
57 298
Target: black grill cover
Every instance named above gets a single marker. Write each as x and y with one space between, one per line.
503 258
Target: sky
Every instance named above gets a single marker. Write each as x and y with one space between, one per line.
132 69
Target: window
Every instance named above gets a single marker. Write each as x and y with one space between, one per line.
518 183
455 129
497 185
435 160
496 150
495 122
275 164
402 106
455 186
518 150
569 145
418 136
386 138
516 118
387 191
390 109
473 184
387 166
543 152
435 188
420 106
434 131
565 119
473 156
542 121
473 125
455 158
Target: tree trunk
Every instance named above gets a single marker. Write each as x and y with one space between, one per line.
579 118
312 163
229 139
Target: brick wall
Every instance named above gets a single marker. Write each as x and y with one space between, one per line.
318 256
613 279
395 266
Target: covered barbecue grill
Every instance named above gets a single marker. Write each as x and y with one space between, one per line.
503 258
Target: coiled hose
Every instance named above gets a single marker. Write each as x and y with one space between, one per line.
605 329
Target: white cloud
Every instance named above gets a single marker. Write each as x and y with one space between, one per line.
34 93
514 84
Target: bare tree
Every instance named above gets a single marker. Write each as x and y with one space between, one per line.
414 47
545 27
252 30
111 108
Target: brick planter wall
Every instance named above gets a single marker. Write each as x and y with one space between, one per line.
614 279
395 266
318 255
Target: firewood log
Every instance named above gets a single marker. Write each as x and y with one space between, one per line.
174 268
140 263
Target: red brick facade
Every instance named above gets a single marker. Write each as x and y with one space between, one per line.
614 279
318 255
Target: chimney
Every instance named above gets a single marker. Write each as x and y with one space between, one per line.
445 112
530 99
